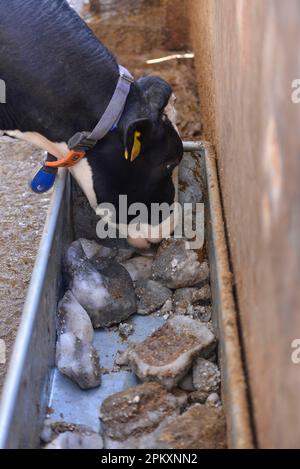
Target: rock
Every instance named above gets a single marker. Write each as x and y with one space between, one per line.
124 253
91 249
118 253
197 397
125 329
139 268
75 356
74 258
167 307
201 296
121 358
184 297
76 440
213 400
190 311
86 283
52 429
151 296
102 286
191 182
166 356
206 375
191 187
78 360
71 317
187 383
200 427
176 267
137 411
203 313
121 301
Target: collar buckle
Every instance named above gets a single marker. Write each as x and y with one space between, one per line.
81 142
127 77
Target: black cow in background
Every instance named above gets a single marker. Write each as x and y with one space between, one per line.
59 80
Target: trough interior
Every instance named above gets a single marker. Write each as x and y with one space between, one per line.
43 391
66 400
51 392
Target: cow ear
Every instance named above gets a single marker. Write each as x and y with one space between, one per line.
157 92
137 136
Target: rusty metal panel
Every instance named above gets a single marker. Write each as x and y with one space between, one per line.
247 56
28 381
234 390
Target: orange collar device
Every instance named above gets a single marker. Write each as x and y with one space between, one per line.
78 145
72 157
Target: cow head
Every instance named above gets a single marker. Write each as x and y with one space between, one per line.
138 159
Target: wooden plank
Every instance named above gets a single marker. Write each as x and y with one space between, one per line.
247 56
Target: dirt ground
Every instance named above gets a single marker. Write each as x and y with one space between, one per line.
140 30
135 31
22 216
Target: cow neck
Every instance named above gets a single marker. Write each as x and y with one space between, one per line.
81 142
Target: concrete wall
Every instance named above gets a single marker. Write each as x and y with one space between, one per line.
247 55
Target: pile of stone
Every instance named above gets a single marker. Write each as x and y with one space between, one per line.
177 404
176 363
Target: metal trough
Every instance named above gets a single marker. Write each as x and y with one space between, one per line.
33 384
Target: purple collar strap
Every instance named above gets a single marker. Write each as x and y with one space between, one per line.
115 107
84 141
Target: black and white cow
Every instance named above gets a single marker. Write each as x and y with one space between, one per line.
59 80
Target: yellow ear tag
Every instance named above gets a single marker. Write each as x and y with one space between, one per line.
136 147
